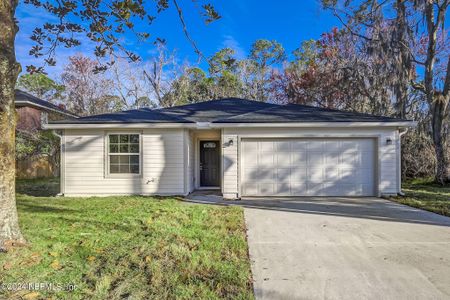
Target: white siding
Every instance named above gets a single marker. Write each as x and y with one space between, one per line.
163 157
191 160
230 166
386 162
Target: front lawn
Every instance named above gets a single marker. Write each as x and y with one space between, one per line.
425 194
128 248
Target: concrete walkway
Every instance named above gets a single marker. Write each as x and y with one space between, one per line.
347 248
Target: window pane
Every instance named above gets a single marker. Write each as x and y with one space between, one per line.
134 169
124 138
124 169
123 148
114 148
134 159
120 145
113 169
124 159
134 148
134 138
114 138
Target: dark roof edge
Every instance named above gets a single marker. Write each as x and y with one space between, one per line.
36 102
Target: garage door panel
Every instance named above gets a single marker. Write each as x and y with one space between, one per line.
283 189
316 146
329 145
332 173
297 146
283 160
266 146
299 174
348 175
299 158
284 175
308 167
283 146
266 160
315 174
332 158
316 158
265 188
250 189
255 174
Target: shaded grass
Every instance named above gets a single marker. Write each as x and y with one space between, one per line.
130 247
38 187
423 193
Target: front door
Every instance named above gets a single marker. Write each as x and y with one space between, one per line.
209 164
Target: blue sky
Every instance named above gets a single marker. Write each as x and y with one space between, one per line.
242 22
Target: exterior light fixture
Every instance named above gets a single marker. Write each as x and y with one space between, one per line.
388 141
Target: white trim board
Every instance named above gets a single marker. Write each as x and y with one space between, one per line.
202 125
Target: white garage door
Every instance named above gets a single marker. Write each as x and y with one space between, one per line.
308 167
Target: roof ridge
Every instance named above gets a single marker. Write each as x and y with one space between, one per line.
214 100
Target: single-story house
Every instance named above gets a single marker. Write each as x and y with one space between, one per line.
241 147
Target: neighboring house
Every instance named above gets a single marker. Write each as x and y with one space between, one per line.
32 113
242 147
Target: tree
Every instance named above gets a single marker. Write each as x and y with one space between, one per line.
256 70
419 42
103 24
160 74
435 86
41 86
88 92
129 83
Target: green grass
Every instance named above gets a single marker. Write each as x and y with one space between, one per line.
129 248
424 194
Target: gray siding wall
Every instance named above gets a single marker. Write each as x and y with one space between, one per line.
163 164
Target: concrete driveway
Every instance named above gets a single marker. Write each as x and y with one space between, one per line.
347 248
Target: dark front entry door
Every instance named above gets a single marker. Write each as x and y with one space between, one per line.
209 163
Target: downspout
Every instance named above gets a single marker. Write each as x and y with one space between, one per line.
399 159
61 162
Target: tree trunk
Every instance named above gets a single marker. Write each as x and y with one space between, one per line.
9 71
439 109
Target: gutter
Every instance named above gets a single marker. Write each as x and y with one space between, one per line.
61 162
399 161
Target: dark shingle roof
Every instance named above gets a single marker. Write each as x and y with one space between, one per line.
143 115
26 99
302 113
231 110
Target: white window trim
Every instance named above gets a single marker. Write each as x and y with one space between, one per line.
107 155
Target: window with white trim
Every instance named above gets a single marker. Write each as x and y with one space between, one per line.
124 154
